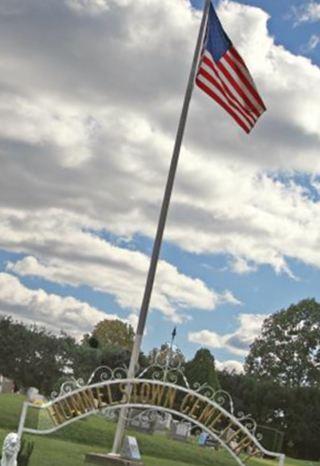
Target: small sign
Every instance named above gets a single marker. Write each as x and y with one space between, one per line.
203 437
130 449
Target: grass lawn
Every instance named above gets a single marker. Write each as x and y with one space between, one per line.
68 446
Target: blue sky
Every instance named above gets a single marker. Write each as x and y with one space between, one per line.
85 149
284 27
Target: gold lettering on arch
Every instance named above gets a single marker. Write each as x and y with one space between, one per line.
157 394
141 392
145 391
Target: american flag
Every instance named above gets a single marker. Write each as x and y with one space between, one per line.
223 75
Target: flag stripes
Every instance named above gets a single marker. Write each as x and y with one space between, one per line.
211 90
223 75
224 93
235 93
241 66
229 83
248 86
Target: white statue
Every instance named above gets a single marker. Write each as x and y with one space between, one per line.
10 450
34 396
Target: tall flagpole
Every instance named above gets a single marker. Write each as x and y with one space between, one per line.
161 224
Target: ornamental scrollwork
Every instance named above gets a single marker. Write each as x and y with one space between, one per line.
100 374
67 386
105 373
167 366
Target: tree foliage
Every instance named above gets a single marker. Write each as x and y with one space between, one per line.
201 369
114 333
31 356
288 350
295 411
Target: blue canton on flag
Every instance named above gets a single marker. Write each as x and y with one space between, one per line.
223 75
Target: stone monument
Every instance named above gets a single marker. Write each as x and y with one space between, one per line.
180 430
141 421
10 450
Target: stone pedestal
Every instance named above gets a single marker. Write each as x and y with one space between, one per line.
109 460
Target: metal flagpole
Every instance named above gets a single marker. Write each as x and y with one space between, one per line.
161 225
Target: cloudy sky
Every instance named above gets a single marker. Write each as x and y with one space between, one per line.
91 92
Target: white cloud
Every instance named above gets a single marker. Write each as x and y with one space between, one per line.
42 122
88 6
308 12
313 43
132 319
229 366
93 7
51 310
237 342
11 7
63 252
87 134
241 266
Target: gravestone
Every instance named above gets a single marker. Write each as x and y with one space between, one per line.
163 422
202 440
180 430
130 449
205 440
6 385
142 422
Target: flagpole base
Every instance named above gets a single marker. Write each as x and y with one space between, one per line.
109 460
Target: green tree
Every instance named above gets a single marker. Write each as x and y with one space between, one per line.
201 369
264 400
295 411
31 356
114 333
288 349
302 422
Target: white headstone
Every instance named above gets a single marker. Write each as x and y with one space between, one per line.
130 449
183 429
180 430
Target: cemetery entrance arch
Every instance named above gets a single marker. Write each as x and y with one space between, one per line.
203 408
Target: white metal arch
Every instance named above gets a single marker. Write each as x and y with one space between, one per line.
22 428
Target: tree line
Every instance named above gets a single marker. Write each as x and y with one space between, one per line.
279 386
33 356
